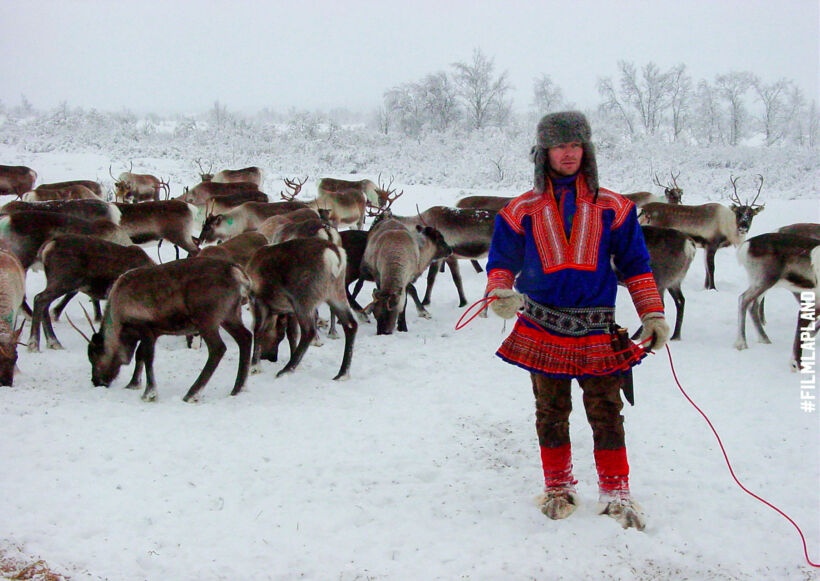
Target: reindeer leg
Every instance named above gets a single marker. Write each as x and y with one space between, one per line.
401 324
411 290
350 326
139 365
307 327
39 316
744 302
455 272
477 266
261 328
432 272
216 349
351 299
97 310
710 267
677 296
244 339
58 309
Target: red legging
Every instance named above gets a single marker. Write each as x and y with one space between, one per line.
603 405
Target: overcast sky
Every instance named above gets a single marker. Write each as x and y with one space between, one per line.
182 56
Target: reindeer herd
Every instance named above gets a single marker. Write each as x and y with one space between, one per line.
286 258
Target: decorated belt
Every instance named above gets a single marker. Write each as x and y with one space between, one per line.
574 322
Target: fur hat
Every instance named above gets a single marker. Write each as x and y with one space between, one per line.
555 129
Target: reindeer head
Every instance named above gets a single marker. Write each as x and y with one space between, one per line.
387 305
384 195
443 249
8 355
204 175
671 190
745 213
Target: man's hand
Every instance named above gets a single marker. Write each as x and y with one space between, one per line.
508 302
654 325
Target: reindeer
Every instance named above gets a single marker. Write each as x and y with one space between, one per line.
468 232
183 297
132 187
354 243
12 294
200 194
670 255
222 224
672 193
76 263
346 206
394 258
67 192
238 249
777 259
491 203
92 185
86 209
226 176
170 220
294 277
712 226
272 226
16 179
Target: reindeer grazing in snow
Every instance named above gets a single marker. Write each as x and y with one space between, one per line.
394 258
777 259
184 297
712 226
293 278
75 263
224 224
12 293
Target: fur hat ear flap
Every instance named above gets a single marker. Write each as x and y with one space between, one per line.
538 155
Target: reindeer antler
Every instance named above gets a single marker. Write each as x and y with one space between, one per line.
735 197
674 178
760 177
295 186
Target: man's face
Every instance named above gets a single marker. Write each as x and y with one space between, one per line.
565 159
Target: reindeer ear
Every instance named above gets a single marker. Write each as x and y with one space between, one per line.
758 210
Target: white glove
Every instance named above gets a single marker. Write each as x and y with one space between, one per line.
508 302
654 324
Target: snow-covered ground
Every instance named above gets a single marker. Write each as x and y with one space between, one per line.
423 465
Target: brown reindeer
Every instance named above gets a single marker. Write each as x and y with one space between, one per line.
394 258
226 176
346 201
294 278
777 259
16 179
92 185
76 263
223 224
66 192
200 194
86 209
132 187
170 220
712 226
672 193
238 249
183 297
12 293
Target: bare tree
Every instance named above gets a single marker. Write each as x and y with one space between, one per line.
406 108
813 125
482 93
439 100
547 96
773 97
709 118
648 94
680 96
732 87
612 104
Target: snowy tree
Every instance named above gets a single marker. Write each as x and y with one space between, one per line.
709 123
439 99
483 94
680 96
732 87
547 96
774 98
612 104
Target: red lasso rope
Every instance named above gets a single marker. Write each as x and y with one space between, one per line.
487 300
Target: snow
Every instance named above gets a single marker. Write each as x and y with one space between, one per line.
424 464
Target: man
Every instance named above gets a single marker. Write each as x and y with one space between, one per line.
554 245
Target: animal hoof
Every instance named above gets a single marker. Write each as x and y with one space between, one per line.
741 345
134 386
255 370
151 396
33 348
55 346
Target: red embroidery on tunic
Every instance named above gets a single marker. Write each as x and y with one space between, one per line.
555 252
